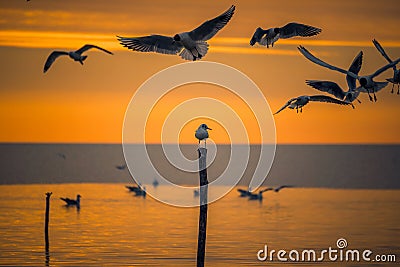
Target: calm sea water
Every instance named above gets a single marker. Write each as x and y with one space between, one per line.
114 228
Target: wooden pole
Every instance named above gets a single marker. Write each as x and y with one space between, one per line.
46 228
201 241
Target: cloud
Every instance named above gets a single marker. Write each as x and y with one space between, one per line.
228 45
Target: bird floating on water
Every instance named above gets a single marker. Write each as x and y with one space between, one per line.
133 188
396 72
202 133
334 89
75 55
244 193
72 202
299 102
270 36
259 195
366 81
190 45
140 192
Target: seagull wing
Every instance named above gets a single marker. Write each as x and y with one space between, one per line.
296 29
52 57
390 65
209 28
377 87
258 34
318 61
152 43
355 68
328 99
381 50
281 187
89 46
286 105
266 189
327 86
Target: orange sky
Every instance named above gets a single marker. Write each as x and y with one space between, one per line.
72 103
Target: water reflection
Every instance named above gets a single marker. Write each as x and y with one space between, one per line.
116 229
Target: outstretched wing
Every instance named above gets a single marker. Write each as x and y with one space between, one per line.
89 46
318 61
286 105
327 86
381 50
266 189
52 57
355 68
296 29
209 28
281 187
258 34
152 43
388 66
377 87
328 99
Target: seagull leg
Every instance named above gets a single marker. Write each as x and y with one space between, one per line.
398 88
375 97
297 109
392 88
358 100
370 97
301 110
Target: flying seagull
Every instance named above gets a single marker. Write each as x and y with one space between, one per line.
190 45
270 36
259 196
75 55
72 202
334 89
366 81
396 72
281 187
301 101
202 133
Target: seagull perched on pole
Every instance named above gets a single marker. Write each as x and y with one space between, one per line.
396 72
190 45
202 133
299 102
366 81
270 36
75 55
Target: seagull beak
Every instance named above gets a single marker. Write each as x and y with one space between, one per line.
209 128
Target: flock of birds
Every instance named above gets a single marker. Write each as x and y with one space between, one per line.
192 45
